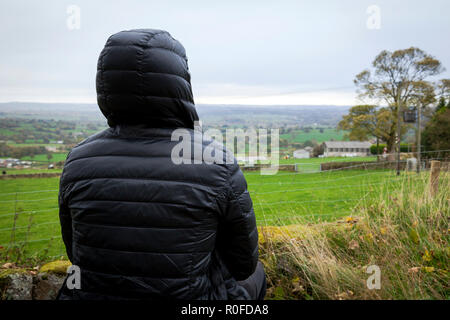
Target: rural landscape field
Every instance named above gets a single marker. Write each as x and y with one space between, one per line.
348 217
337 114
30 205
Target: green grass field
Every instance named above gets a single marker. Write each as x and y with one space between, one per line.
319 196
56 157
394 223
12 171
30 202
277 199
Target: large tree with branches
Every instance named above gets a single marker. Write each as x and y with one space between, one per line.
367 121
398 78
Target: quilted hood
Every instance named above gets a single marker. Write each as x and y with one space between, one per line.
143 78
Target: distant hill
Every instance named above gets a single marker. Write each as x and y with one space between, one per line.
211 115
271 116
56 111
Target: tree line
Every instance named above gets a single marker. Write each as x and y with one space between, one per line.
19 152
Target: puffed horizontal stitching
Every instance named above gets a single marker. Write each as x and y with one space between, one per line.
121 155
148 201
127 275
145 47
129 155
244 197
202 275
114 138
230 186
147 32
249 213
141 252
148 95
190 182
239 194
138 71
118 155
132 227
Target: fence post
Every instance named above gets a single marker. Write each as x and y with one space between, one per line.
434 177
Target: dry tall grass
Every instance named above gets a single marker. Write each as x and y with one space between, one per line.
405 233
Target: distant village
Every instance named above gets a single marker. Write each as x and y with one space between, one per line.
14 163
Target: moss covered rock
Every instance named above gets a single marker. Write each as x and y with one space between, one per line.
15 284
47 286
56 267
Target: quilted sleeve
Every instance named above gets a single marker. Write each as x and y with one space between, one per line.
65 218
238 235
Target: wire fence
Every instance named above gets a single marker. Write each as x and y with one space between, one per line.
323 188
338 190
27 192
357 166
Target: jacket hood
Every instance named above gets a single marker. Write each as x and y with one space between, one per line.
143 78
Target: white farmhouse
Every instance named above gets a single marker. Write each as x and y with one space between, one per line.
303 153
346 148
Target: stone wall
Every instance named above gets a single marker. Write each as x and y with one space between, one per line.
373 165
32 284
256 167
30 175
355 165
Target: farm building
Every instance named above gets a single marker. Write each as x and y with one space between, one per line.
303 153
346 148
9 163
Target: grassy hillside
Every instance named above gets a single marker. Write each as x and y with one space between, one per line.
402 232
396 226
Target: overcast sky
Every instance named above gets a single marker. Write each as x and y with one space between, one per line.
245 52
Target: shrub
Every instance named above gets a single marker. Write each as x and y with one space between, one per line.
404 147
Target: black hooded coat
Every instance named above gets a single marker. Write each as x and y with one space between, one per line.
138 225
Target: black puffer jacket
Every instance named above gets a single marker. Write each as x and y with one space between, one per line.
138 225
